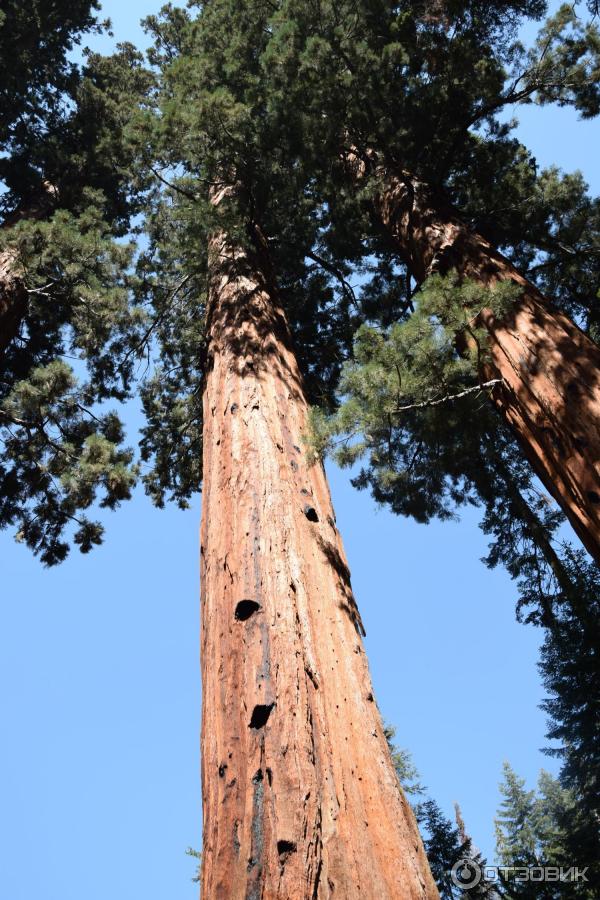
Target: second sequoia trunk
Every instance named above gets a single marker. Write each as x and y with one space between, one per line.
550 370
300 795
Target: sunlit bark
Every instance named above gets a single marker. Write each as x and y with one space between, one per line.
299 794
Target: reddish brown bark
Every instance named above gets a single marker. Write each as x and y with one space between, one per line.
13 295
13 299
550 370
300 799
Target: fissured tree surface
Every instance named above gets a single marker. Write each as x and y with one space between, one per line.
300 796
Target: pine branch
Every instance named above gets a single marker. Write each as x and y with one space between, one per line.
337 272
157 319
173 187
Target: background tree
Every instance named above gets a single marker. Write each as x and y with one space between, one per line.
402 103
532 830
446 844
68 200
571 675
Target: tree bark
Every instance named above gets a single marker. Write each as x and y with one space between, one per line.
300 799
550 370
13 299
13 295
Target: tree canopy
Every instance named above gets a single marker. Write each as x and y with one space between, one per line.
280 100
68 201
276 98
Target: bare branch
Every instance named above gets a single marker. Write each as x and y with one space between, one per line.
449 397
334 270
174 187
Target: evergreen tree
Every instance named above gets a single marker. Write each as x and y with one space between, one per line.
35 69
571 675
517 840
405 769
410 109
68 197
446 844
289 720
532 831
446 848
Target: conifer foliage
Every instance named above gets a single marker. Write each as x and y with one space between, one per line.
535 829
449 848
333 201
68 198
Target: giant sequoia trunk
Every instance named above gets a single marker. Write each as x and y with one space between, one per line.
550 370
300 796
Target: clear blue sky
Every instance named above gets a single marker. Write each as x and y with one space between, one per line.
99 750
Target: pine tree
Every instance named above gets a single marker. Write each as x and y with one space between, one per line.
449 848
532 831
68 196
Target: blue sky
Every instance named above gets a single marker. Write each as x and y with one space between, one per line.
99 664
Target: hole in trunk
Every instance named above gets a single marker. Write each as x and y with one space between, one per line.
260 716
245 609
594 497
258 777
311 514
284 848
222 769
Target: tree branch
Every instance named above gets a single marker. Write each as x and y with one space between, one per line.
334 270
449 397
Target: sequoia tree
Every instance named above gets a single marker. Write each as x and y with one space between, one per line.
282 147
289 723
408 97
429 183
300 797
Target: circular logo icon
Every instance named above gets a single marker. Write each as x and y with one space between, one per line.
465 874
